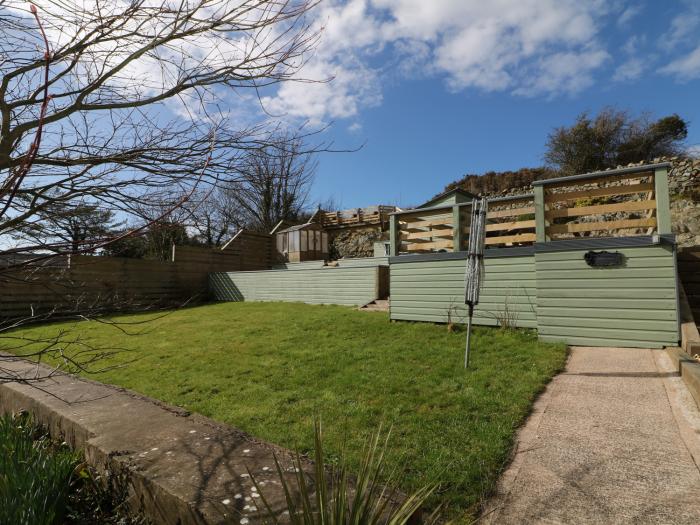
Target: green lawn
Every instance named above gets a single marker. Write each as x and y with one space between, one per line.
271 368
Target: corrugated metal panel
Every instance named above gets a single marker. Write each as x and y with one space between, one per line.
347 286
634 305
434 291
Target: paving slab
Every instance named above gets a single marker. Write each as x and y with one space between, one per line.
615 438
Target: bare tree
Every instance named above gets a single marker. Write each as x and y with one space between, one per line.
273 183
162 226
111 91
215 218
113 105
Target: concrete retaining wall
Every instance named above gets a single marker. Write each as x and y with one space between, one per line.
180 469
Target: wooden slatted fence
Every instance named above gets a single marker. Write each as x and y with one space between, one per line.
609 205
82 283
510 222
424 232
618 203
355 216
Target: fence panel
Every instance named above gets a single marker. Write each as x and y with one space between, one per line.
608 205
329 285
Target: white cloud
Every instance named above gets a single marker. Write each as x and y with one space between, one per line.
525 47
631 69
496 45
633 43
683 27
566 72
629 14
681 38
693 151
342 89
686 67
479 57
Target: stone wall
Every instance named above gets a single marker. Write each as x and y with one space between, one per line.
684 177
684 188
354 242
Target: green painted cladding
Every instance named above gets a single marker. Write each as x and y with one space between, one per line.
434 291
634 305
363 261
355 285
305 265
556 292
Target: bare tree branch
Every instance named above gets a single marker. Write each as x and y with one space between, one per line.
110 106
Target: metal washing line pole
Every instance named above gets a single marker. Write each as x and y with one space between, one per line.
475 264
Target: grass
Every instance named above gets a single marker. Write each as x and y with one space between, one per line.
272 368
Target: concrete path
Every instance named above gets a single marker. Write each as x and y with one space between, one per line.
614 439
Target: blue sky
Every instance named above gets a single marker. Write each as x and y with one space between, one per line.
438 89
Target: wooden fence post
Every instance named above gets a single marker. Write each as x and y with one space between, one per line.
456 229
540 223
663 204
393 236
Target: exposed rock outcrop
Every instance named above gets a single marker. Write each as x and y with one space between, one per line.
354 242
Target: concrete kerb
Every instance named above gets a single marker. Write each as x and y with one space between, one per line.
688 368
690 337
179 468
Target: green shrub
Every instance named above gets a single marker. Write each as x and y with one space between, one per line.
35 475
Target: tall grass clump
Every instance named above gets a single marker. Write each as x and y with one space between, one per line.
341 498
35 474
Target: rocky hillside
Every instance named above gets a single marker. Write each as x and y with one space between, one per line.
497 182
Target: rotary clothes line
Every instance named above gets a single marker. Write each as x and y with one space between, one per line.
474 273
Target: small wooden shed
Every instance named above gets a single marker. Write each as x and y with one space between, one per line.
304 242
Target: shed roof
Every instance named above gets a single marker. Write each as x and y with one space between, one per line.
305 226
459 195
